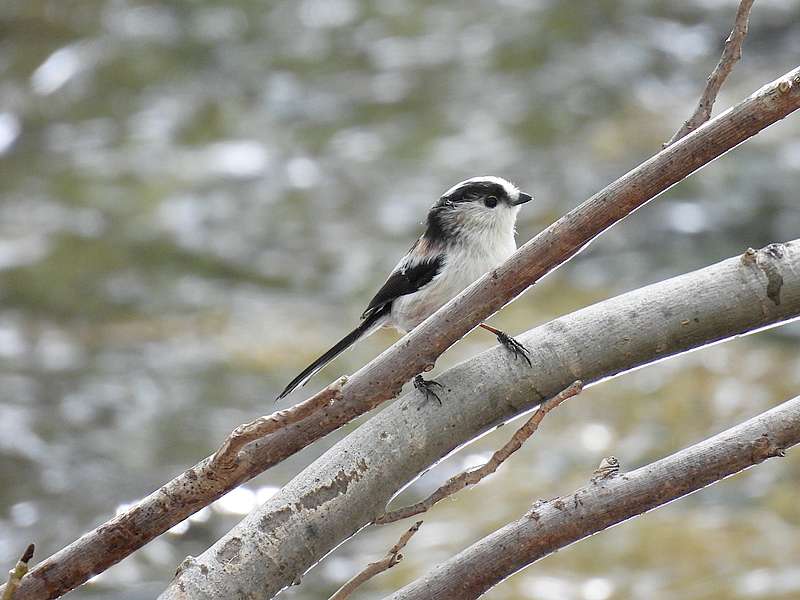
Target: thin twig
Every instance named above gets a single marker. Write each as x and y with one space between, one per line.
372 569
731 54
459 482
16 574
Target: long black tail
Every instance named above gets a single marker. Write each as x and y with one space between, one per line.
343 344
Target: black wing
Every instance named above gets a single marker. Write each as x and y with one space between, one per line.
405 280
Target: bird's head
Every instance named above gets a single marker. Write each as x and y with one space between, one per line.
480 206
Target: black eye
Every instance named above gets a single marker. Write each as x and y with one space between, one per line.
491 201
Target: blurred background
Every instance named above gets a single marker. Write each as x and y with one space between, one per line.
197 198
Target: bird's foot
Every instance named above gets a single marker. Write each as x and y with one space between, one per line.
510 343
426 387
513 346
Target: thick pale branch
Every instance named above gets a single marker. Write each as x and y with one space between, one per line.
458 482
376 568
350 485
731 54
554 524
384 377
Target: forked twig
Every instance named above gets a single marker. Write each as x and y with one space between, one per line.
372 569
731 54
459 482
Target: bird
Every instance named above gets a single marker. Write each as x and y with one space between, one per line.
469 231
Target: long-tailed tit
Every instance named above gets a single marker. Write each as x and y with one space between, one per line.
470 230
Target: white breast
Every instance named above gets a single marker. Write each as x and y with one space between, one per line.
464 264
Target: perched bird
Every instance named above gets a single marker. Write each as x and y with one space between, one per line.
470 230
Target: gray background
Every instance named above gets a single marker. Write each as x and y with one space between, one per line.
198 198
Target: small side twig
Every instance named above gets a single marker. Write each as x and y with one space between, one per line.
16 574
459 482
731 54
372 569
227 455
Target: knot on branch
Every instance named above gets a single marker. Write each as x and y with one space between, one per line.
785 85
764 448
186 563
609 467
767 260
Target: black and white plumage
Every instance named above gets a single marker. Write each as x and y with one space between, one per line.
469 231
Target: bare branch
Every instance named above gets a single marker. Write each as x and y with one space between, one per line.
372 569
458 482
554 524
350 485
384 377
16 574
731 54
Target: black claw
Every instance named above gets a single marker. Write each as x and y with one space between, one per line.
514 347
426 387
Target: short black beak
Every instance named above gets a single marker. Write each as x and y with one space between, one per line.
523 198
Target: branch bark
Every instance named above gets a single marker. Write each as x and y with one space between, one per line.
384 377
350 485
554 524
731 54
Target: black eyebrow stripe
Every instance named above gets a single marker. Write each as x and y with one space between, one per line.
476 188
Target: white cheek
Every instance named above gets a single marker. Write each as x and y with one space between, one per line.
491 222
